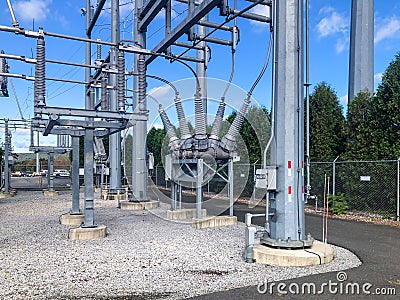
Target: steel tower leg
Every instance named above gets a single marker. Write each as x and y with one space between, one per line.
287 227
88 139
50 171
75 175
115 139
139 168
6 155
361 72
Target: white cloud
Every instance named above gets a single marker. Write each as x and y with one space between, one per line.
341 44
344 100
332 23
32 9
378 77
161 93
262 10
389 28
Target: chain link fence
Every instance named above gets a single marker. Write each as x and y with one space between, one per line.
369 188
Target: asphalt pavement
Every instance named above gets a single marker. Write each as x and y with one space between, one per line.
377 246
38 183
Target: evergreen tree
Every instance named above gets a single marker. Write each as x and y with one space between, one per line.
155 141
327 124
386 113
360 133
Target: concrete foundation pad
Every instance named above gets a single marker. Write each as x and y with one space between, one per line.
72 220
215 221
50 193
184 214
126 205
6 195
317 254
92 233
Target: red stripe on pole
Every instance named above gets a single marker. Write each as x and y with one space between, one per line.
289 164
302 189
289 190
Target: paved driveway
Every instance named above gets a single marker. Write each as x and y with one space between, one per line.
377 246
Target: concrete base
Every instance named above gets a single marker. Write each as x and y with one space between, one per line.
290 258
216 221
50 193
184 214
6 195
106 195
72 220
126 205
94 233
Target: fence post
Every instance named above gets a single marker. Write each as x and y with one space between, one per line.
398 191
334 177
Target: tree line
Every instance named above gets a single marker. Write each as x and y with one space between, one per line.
369 131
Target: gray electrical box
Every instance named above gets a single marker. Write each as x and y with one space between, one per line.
266 178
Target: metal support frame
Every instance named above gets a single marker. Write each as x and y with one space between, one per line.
139 168
50 171
7 145
230 177
115 139
88 138
191 19
199 187
75 176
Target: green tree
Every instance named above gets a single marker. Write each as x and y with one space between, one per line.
155 140
386 113
254 133
361 144
327 124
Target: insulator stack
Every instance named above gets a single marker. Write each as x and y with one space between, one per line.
184 128
99 51
104 95
217 124
142 83
173 139
40 73
200 121
229 140
121 81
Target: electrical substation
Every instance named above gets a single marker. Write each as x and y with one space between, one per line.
192 158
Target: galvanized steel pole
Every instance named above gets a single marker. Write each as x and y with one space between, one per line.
115 139
139 168
88 139
361 72
287 202
6 155
75 175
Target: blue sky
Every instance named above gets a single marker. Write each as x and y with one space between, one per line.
329 48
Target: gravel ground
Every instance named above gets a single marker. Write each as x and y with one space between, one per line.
143 257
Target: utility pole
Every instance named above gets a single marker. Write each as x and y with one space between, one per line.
361 71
